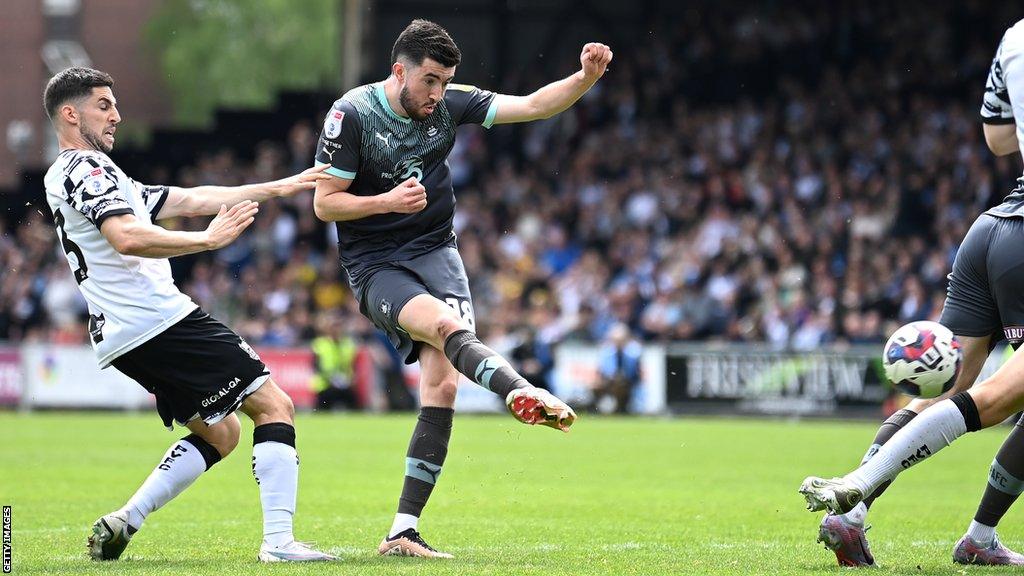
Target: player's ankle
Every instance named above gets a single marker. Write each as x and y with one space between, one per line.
278 539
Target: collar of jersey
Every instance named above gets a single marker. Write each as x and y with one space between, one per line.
387 106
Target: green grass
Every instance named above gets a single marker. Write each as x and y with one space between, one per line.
617 496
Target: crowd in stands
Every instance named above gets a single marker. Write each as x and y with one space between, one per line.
797 177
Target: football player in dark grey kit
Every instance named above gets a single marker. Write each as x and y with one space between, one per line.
387 144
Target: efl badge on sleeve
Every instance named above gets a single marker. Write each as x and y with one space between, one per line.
332 126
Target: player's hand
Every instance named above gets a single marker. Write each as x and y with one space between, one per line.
307 180
595 58
408 197
230 223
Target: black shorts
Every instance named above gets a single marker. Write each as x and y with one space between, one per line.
986 287
197 368
383 293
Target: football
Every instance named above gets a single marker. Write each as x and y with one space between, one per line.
922 359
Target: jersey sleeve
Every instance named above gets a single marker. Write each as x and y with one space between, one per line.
153 196
995 105
339 141
471 105
93 190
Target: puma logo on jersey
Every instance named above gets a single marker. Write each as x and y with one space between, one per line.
385 139
329 154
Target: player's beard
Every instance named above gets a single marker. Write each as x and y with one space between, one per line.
94 140
410 107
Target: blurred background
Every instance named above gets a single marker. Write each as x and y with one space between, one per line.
733 220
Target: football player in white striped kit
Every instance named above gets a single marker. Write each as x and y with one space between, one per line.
198 369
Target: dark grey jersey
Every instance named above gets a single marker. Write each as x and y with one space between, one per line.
365 141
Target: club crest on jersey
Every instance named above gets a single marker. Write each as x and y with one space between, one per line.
332 125
431 132
411 167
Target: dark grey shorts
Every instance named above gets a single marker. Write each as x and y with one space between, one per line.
986 287
384 292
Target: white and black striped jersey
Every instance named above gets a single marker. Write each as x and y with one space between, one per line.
131 299
1003 103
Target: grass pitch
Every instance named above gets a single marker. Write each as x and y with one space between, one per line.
616 496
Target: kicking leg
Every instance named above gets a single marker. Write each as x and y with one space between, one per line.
183 462
428 448
433 322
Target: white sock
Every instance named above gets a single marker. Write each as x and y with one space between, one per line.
931 431
857 515
981 534
403 522
276 469
179 468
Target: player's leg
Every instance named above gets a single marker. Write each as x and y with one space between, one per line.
275 466
181 465
970 310
435 323
1006 476
981 545
845 534
439 382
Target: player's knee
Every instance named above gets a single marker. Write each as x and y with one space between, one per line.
446 326
443 392
224 435
282 408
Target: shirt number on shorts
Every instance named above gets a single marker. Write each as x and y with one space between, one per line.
463 309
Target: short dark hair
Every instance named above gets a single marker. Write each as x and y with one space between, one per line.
424 39
71 84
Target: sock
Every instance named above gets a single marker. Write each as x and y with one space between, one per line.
930 432
402 523
1005 484
481 364
424 459
886 431
857 515
275 465
183 462
981 534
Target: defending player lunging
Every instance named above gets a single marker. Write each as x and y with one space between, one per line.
392 197
983 300
198 369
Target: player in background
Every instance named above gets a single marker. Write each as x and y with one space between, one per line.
198 369
984 298
391 194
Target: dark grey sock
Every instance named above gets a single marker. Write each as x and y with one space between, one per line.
427 451
1005 479
887 430
481 364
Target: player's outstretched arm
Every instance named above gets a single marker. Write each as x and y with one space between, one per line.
132 237
333 203
205 200
557 96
